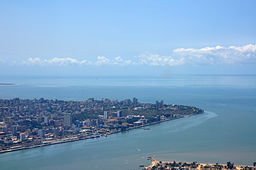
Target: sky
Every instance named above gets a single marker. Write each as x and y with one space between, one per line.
127 38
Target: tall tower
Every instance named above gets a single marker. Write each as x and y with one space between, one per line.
135 101
46 119
119 113
22 136
105 116
67 120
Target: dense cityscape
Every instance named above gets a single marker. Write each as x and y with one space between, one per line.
33 123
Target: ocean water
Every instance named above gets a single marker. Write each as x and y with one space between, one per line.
225 132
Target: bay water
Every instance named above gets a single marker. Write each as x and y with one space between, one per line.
225 132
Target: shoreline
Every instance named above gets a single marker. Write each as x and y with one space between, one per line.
78 138
165 165
7 84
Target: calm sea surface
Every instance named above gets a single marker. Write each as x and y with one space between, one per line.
226 132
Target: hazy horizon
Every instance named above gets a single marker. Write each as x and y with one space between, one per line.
132 38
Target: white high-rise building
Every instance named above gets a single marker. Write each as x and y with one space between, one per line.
46 119
67 120
105 116
119 113
22 136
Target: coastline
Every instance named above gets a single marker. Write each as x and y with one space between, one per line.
165 165
78 137
7 84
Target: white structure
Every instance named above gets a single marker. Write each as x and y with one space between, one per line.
105 116
46 119
22 136
119 113
67 120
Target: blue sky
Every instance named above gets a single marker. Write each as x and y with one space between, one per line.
127 37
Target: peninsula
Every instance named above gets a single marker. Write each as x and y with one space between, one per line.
166 165
26 123
7 84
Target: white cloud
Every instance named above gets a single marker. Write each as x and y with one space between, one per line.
31 60
179 56
101 60
55 61
120 61
158 60
218 54
62 61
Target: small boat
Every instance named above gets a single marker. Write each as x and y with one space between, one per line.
146 128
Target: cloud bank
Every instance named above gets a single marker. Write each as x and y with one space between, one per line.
179 56
218 54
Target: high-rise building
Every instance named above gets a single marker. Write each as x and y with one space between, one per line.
157 105
119 113
105 116
14 129
46 119
40 133
22 136
135 101
161 103
67 120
